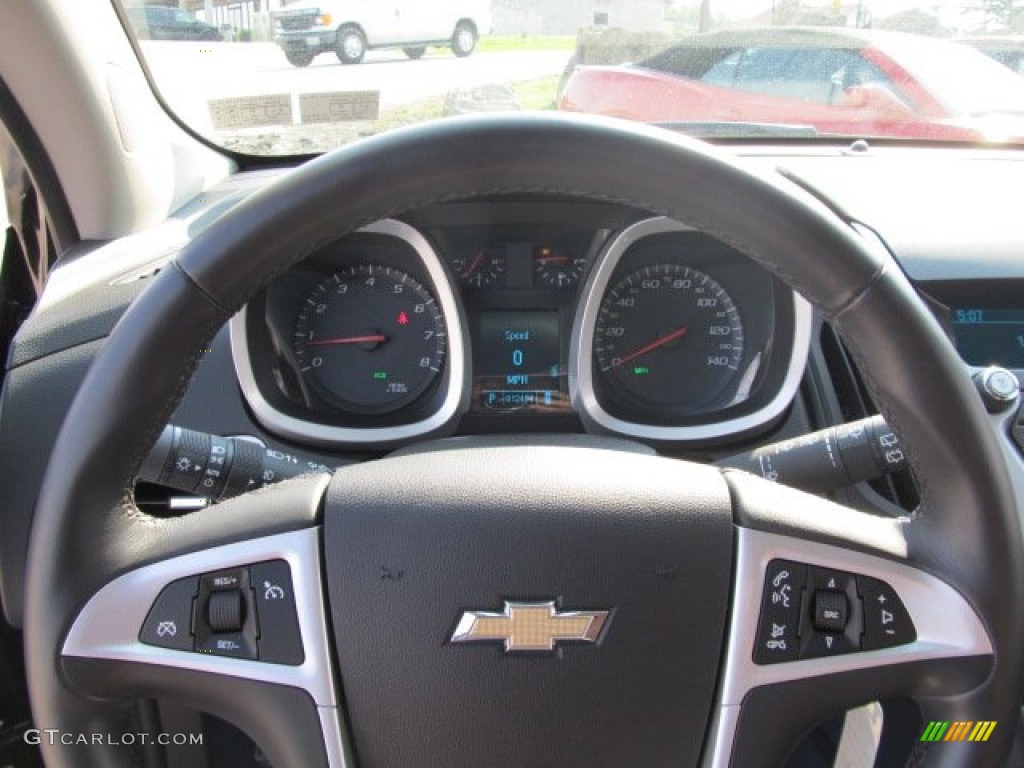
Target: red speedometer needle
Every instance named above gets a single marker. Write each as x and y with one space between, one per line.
370 339
648 347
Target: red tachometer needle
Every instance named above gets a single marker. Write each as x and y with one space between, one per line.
370 339
648 347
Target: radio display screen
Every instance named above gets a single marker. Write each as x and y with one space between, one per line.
987 336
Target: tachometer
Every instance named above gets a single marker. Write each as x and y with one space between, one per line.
668 337
370 339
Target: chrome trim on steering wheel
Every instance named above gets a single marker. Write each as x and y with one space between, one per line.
109 624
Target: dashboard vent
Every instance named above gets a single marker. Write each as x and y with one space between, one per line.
855 403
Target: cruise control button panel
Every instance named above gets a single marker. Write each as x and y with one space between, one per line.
809 611
247 612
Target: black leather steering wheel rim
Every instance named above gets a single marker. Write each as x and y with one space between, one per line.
87 531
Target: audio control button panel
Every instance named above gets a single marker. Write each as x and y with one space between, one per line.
809 611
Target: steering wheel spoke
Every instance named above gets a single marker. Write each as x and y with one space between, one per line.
821 628
237 630
940 649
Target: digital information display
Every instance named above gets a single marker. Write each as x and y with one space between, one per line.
990 336
517 368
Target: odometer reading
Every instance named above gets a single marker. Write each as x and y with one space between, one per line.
668 337
370 339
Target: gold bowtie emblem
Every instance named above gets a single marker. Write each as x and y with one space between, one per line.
530 626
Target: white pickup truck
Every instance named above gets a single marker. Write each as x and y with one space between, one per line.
351 27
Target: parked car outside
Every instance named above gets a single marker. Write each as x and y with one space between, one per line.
153 22
311 27
834 81
1008 50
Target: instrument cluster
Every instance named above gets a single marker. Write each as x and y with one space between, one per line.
621 324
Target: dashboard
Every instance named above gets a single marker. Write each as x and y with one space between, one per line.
512 316
539 315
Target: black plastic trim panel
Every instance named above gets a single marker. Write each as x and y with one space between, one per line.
283 721
88 316
32 407
772 718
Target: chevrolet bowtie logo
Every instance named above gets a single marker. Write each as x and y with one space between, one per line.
530 626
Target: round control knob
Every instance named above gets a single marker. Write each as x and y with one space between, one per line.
998 387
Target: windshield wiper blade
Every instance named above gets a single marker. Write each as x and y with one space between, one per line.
723 129
1007 112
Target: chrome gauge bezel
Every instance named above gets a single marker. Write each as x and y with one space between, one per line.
583 387
454 397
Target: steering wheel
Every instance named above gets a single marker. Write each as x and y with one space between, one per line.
674 569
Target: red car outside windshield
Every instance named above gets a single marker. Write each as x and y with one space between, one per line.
840 82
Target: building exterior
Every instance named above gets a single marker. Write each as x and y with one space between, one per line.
566 17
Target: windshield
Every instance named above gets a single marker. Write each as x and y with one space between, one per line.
285 77
966 84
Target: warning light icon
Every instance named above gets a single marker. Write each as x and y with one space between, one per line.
403 319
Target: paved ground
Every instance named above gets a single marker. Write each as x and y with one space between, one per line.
190 74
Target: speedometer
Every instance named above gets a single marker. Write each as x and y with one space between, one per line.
668 337
370 339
